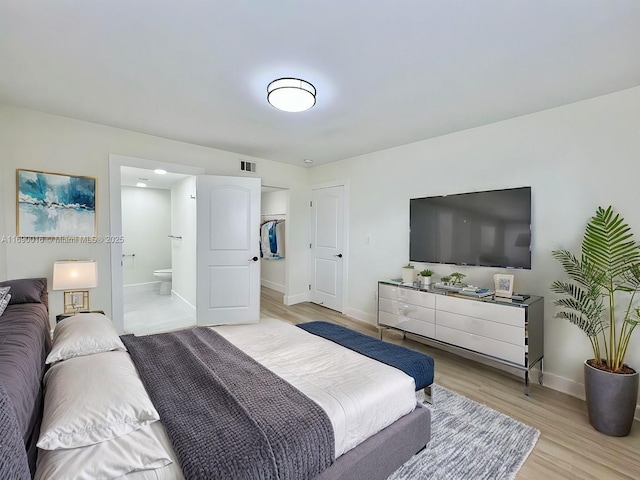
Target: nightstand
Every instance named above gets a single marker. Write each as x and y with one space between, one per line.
62 316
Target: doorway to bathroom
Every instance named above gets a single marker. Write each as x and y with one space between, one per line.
214 272
158 225
152 272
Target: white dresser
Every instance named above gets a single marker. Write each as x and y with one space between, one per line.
509 334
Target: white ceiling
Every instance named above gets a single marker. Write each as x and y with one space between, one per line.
131 176
387 72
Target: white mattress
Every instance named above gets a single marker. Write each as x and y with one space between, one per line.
360 395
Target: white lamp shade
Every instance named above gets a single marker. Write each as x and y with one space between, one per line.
75 274
291 94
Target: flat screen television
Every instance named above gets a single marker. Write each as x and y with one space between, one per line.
489 229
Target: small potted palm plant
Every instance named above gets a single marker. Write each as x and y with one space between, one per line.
600 298
457 278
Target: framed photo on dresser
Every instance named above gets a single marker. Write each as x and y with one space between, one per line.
503 285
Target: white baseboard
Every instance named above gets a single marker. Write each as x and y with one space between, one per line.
571 387
272 285
186 305
362 316
293 299
141 287
564 385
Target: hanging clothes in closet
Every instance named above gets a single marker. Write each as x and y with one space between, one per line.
272 239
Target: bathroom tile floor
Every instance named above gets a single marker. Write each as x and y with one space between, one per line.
149 312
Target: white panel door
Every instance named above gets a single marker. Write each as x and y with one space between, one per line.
327 255
228 250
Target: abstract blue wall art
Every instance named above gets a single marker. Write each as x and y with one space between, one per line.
55 205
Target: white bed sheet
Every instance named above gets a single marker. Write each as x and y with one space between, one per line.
360 395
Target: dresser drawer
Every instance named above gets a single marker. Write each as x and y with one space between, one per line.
485 328
406 309
408 295
477 343
507 314
408 324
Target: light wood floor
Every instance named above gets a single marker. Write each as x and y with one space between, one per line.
568 447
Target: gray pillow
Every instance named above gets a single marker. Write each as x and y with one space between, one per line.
4 291
25 290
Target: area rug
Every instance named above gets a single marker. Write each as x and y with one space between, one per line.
469 441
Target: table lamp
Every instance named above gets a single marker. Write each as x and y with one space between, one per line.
74 276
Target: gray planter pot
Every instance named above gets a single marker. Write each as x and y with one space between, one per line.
611 400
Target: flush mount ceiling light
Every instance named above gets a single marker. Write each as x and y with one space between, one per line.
160 171
291 94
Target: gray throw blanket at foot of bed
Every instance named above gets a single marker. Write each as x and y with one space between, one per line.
227 416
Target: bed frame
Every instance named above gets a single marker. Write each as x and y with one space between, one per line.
382 454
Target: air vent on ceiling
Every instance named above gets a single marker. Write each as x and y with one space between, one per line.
247 166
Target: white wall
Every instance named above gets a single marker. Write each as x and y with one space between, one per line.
272 272
39 141
575 158
183 224
146 224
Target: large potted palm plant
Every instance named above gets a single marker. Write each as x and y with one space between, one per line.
600 298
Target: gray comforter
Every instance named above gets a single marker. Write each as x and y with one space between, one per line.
24 344
227 416
13 456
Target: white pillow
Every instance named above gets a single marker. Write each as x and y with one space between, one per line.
92 399
141 450
84 334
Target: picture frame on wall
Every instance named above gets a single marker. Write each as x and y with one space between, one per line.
55 205
503 285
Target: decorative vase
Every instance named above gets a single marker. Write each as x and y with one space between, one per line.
408 275
611 400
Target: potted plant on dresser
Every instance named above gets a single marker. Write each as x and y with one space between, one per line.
457 278
600 298
425 276
408 274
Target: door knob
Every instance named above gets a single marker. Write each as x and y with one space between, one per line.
338 255
254 259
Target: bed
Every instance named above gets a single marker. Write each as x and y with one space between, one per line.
24 345
357 419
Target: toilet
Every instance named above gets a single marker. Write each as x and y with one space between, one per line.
164 275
